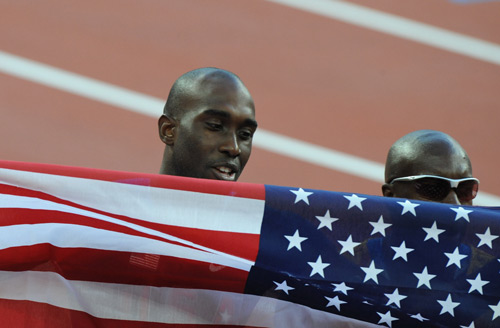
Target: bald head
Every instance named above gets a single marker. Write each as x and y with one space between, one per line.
195 84
424 152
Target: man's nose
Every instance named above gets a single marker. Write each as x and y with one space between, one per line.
231 145
451 198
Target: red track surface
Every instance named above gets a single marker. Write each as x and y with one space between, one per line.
313 78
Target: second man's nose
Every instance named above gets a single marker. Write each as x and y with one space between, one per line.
452 198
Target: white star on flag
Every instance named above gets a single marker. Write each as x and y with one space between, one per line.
326 220
348 245
455 258
419 317
448 306
469 326
295 241
318 267
355 200
371 272
496 310
477 284
461 213
343 288
408 207
424 278
386 318
334 301
433 232
301 195
380 226
402 251
395 298
283 286
225 316
486 238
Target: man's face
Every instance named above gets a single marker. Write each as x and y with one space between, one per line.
451 166
213 138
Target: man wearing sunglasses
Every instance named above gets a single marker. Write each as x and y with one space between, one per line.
429 165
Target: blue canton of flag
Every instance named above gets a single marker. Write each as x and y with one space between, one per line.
388 261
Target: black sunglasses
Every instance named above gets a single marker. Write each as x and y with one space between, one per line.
436 188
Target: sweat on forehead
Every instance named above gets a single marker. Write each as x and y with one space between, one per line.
186 86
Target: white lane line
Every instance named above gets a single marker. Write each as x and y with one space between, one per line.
80 85
400 27
318 155
153 107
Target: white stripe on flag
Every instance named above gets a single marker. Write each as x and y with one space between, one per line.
165 206
163 304
71 236
13 201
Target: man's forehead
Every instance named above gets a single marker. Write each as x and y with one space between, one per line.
216 90
222 88
450 162
451 165
219 94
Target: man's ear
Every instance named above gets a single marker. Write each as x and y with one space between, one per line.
166 129
387 190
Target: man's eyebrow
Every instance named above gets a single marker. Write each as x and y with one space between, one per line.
251 123
216 112
224 114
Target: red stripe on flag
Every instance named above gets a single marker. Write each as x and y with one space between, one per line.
149 261
226 242
122 267
240 189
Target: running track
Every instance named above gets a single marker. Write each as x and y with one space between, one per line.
335 82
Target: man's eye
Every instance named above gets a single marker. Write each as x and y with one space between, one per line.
214 126
245 135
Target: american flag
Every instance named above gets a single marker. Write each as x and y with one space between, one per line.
93 248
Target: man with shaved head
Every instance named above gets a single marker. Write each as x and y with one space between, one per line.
207 125
429 165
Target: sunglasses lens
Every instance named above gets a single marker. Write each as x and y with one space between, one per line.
432 189
467 190
437 189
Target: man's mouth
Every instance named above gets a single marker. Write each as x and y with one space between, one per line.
225 173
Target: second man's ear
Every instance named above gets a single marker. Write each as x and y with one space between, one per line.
387 190
166 129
